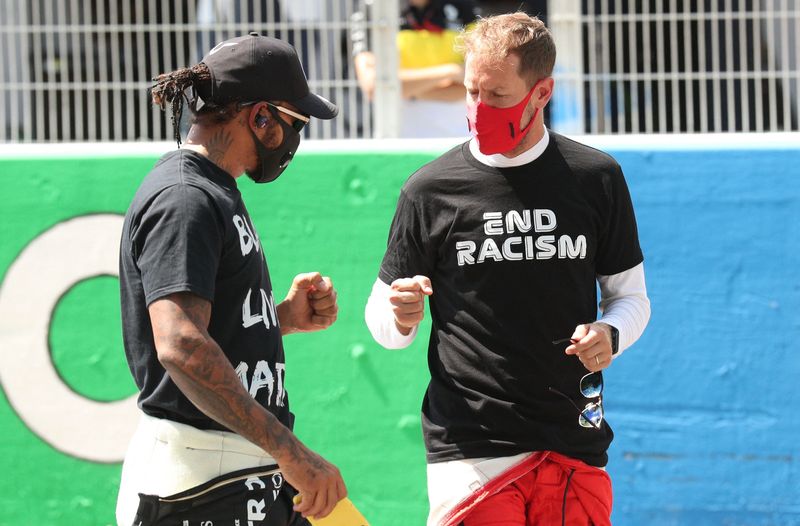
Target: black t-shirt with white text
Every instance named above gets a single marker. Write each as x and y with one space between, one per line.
187 230
513 255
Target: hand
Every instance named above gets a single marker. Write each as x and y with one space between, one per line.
310 304
408 301
456 73
319 482
591 343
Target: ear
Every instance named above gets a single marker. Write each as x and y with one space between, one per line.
259 116
543 92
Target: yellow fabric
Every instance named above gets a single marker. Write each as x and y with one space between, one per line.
420 48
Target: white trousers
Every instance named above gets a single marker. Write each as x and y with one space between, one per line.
165 457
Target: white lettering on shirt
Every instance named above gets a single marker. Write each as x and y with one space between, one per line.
263 377
466 251
255 510
520 247
268 315
247 239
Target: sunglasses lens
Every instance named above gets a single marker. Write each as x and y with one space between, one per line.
591 416
592 385
298 125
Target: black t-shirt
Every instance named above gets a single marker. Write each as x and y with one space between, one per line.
513 255
187 230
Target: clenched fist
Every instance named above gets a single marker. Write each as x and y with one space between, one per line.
407 297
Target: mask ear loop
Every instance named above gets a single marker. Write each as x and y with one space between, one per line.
287 157
535 112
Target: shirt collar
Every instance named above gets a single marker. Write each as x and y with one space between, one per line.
498 160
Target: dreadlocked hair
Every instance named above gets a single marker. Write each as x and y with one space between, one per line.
169 89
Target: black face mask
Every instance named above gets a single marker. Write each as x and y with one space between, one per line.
272 163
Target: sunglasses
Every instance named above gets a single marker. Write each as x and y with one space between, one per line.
590 386
300 120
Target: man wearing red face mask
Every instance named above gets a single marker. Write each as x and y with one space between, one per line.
509 234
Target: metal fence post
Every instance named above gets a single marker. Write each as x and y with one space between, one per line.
387 85
566 113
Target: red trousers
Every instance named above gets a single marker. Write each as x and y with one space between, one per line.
557 490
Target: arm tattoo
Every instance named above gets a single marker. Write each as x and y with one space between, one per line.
204 374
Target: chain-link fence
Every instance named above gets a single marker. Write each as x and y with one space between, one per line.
79 70
677 65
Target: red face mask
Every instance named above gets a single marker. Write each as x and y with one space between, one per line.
497 129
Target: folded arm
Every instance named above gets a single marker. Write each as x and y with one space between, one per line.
443 82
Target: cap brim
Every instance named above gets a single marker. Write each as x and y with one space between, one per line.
316 106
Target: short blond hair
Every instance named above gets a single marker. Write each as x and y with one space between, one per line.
499 36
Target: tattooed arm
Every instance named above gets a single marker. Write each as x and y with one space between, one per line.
204 374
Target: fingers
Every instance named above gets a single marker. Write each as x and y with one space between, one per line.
322 321
417 283
408 317
322 287
332 500
580 332
594 362
425 284
324 312
310 503
336 492
321 503
328 490
457 73
583 338
306 280
397 297
592 345
324 300
407 297
408 307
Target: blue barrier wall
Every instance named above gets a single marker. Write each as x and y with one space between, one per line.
703 405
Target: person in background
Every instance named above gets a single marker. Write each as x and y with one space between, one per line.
509 235
202 331
537 8
431 70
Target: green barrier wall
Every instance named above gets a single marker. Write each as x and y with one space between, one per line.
356 403
702 406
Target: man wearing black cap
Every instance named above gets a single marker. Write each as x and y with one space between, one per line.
202 330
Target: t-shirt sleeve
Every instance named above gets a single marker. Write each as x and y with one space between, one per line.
178 243
619 248
407 251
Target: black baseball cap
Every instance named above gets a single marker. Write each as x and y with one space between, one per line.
255 68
